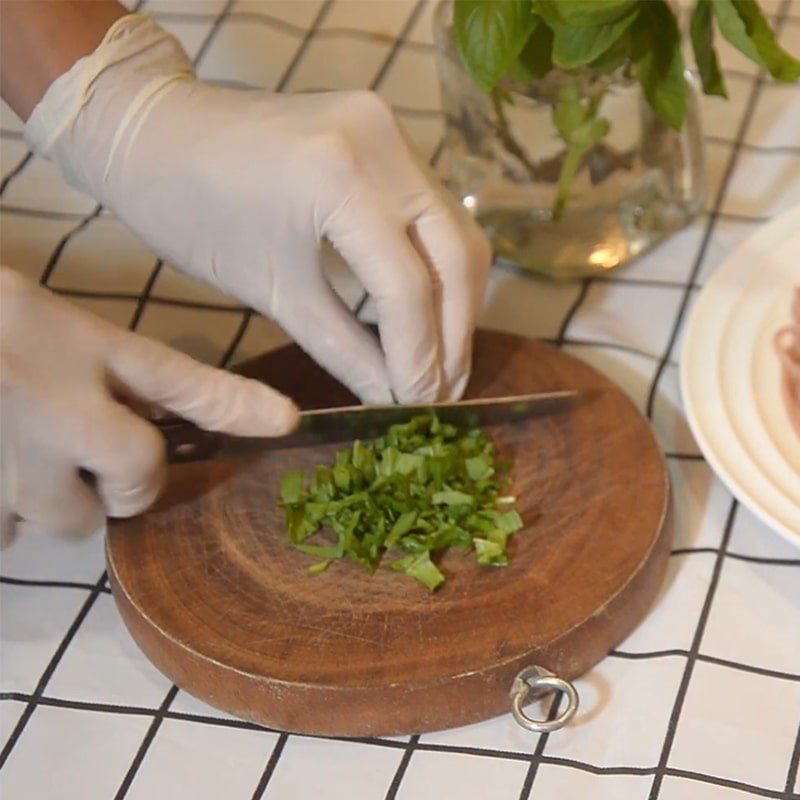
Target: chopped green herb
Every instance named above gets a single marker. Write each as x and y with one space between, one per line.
419 489
422 568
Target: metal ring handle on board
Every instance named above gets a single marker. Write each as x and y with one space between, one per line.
534 682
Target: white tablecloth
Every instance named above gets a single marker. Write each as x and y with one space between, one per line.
701 702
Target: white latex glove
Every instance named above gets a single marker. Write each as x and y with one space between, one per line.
239 188
62 375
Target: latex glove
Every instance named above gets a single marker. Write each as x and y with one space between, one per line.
62 374
240 188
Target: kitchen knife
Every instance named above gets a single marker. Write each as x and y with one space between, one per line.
187 442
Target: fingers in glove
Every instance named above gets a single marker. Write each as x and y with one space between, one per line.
327 330
57 501
211 398
126 455
459 254
381 255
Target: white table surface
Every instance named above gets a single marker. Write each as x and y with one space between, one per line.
702 702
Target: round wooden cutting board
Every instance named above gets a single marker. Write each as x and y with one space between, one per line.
213 593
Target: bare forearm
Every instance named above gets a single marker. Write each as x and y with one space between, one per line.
41 39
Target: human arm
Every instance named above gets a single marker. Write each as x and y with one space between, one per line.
40 40
241 189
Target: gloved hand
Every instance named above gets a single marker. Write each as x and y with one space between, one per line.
63 374
239 188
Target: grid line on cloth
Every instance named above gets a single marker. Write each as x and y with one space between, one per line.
721 662
145 296
398 42
783 562
100 586
270 21
794 764
744 124
246 315
663 362
658 770
692 656
158 719
21 164
28 157
41 685
272 762
52 262
52 584
501 755
323 12
391 792
155 299
538 753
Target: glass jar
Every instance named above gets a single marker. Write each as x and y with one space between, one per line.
504 159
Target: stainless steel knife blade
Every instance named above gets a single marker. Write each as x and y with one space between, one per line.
187 442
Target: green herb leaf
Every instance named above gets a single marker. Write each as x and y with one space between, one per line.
421 568
576 46
732 28
584 13
315 569
292 487
479 468
422 488
490 553
702 33
490 35
405 522
659 62
536 58
508 522
743 24
617 55
452 498
321 551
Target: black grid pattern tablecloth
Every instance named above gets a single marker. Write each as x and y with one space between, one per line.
702 702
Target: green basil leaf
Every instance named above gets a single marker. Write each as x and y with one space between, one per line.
321 551
659 64
732 28
479 468
617 55
452 498
421 568
780 64
509 522
536 58
584 13
490 553
431 486
405 522
573 46
292 487
702 33
490 34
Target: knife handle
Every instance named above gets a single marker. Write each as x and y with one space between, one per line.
185 441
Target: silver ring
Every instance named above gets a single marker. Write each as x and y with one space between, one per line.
534 682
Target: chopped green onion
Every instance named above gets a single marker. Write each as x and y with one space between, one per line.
421 488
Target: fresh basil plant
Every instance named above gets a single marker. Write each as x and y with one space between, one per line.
502 42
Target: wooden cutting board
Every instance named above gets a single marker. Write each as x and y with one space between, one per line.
214 595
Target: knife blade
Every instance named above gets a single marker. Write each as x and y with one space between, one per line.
186 442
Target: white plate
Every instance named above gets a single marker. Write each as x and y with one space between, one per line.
730 374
